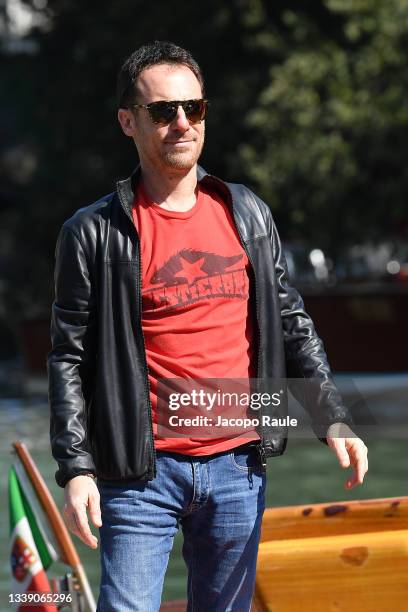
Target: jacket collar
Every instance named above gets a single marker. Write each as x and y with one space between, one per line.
126 188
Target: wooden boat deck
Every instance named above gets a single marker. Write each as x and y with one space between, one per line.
347 556
344 556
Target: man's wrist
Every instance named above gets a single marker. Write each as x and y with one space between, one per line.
339 429
90 474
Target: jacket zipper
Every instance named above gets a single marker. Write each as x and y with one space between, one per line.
261 446
152 467
152 454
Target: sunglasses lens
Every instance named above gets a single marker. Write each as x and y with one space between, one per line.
162 112
195 110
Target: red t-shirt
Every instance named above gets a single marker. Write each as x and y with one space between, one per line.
195 302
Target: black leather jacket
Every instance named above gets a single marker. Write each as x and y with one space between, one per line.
98 385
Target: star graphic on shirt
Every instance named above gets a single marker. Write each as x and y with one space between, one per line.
191 271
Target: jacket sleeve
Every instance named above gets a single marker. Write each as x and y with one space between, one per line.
70 362
305 354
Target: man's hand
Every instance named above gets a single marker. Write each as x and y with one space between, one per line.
350 450
79 493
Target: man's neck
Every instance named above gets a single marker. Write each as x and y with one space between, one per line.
172 191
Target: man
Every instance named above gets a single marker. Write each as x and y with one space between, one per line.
176 274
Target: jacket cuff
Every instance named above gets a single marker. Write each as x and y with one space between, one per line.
63 476
342 416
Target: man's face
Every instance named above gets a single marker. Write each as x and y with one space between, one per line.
175 147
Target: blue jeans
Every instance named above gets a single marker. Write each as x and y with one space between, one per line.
217 499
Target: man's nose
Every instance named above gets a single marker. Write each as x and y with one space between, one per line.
180 121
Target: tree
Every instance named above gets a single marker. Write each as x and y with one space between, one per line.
328 133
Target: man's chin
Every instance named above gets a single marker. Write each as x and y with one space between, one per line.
179 161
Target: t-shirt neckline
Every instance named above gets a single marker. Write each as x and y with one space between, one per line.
171 214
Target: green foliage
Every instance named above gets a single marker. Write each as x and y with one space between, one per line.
327 134
308 107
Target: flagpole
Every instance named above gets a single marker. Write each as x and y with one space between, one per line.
69 554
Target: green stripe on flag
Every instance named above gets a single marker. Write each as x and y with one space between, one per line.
19 507
16 508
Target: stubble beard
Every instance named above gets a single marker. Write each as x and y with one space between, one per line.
182 160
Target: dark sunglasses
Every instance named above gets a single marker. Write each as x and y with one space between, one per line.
164 111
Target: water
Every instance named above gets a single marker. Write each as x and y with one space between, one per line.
307 473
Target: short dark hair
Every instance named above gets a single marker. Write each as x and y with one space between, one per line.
156 52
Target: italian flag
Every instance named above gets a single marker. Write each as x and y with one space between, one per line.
31 552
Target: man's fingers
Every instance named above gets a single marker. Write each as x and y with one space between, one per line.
362 467
351 482
82 522
344 459
339 447
77 522
95 510
351 451
360 462
70 521
357 478
81 492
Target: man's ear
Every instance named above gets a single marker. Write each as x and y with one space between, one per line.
127 121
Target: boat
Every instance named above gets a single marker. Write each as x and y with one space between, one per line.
344 556
348 556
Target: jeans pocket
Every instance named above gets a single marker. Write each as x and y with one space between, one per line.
245 458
